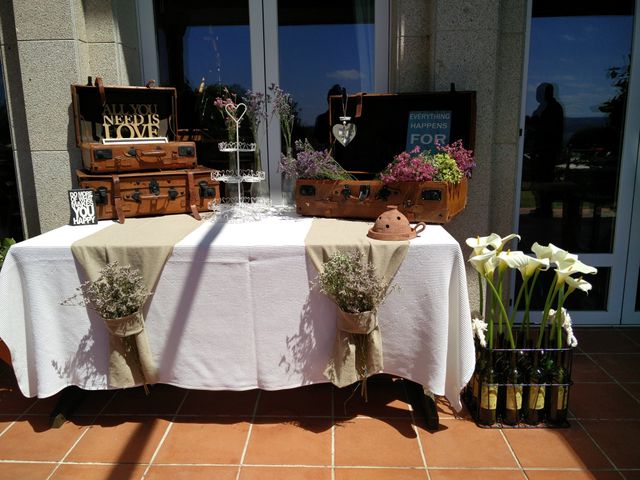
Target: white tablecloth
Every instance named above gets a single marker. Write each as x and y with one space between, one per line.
233 310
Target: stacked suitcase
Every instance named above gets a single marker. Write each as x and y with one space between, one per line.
130 157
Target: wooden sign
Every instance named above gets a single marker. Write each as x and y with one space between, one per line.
131 121
82 207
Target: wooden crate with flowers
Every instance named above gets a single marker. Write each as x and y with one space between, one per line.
523 372
426 187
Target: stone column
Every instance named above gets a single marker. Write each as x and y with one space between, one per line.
46 47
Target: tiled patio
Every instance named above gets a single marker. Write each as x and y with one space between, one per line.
306 433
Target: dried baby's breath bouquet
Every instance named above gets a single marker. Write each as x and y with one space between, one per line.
118 291
351 281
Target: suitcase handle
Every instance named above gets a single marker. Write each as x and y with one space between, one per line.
138 197
152 153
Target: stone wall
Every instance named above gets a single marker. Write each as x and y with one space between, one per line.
47 46
478 45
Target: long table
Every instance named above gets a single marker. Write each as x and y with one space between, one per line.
234 309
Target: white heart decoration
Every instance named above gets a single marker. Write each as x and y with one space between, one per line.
344 133
232 111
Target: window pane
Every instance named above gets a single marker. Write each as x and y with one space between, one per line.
204 51
578 300
324 45
576 96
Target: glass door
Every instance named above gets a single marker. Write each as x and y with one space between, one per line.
580 144
304 47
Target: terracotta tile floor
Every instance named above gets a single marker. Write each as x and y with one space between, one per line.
311 433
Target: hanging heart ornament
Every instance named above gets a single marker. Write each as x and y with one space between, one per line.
344 133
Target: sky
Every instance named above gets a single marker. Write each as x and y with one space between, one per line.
312 59
574 54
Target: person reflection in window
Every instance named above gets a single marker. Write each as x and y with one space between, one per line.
546 126
322 127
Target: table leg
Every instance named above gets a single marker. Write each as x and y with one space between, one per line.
69 400
423 404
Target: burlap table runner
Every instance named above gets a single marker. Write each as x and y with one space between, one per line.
145 244
325 237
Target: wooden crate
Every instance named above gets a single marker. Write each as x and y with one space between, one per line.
431 202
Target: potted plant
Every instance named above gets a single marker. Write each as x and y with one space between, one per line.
523 373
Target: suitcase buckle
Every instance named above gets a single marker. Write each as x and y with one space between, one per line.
205 190
100 196
154 186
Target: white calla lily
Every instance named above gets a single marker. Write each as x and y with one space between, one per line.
526 264
494 241
569 266
485 263
482 245
577 284
553 253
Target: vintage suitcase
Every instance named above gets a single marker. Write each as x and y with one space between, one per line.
431 202
123 129
151 193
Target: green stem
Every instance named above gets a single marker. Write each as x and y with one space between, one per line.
499 296
522 290
561 298
503 312
547 305
481 292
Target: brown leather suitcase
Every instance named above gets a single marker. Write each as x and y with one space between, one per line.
432 202
125 129
143 194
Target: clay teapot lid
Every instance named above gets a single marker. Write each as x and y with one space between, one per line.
394 225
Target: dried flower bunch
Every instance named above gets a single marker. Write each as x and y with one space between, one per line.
256 110
221 103
117 292
351 281
311 163
283 106
451 164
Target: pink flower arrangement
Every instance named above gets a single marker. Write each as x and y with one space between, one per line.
464 158
450 164
409 167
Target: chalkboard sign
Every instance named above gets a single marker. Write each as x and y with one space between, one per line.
388 124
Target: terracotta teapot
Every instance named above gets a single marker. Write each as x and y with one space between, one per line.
393 225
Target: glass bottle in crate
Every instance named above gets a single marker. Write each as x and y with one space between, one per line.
534 405
481 362
558 402
487 403
513 394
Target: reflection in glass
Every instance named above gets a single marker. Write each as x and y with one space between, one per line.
596 300
324 45
576 95
204 51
